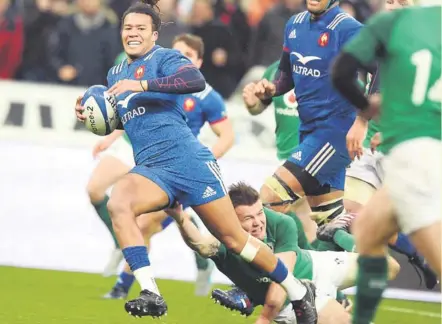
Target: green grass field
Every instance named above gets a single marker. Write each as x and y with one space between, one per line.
29 296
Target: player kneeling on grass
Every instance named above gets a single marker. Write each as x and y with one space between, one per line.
330 271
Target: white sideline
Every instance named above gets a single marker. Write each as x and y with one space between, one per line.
411 311
406 294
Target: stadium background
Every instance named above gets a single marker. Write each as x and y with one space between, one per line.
46 221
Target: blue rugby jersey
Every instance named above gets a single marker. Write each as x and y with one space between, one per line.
312 45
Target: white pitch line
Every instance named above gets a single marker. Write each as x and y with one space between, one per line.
412 311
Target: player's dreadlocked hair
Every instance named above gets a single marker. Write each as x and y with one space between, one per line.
147 7
242 194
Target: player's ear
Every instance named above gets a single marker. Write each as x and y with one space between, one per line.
199 63
155 36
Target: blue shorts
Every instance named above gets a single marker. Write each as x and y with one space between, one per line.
323 154
191 182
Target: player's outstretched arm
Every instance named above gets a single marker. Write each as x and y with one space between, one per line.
344 69
205 245
283 80
226 137
188 79
265 90
177 75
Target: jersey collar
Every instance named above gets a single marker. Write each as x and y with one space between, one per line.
153 49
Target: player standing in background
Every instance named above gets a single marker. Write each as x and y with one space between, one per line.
366 175
206 106
316 168
171 164
410 125
287 131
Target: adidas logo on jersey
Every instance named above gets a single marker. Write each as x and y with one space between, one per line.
209 192
297 155
293 34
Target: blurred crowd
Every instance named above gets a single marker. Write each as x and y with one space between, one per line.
75 42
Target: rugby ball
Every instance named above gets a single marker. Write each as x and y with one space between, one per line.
100 109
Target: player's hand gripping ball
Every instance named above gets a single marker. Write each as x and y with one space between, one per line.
99 110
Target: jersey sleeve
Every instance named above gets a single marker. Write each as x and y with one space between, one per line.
286 235
371 43
110 78
214 108
172 61
303 242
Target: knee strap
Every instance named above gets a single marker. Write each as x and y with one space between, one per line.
282 190
327 211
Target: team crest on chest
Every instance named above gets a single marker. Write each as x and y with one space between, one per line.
323 39
139 73
189 104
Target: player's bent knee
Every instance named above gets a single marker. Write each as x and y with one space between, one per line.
333 313
327 211
275 193
118 207
95 192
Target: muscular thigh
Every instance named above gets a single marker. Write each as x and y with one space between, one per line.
139 193
108 170
219 217
376 223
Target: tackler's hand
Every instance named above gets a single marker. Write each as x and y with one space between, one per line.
265 89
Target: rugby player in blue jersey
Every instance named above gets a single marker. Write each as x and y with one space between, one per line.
206 106
316 168
172 165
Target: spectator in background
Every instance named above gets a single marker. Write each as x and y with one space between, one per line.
120 6
41 17
358 9
268 38
172 26
84 45
11 40
230 14
257 9
222 56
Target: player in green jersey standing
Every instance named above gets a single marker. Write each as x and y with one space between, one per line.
410 123
287 134
365 175
329 271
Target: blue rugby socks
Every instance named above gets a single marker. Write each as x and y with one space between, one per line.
138 260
